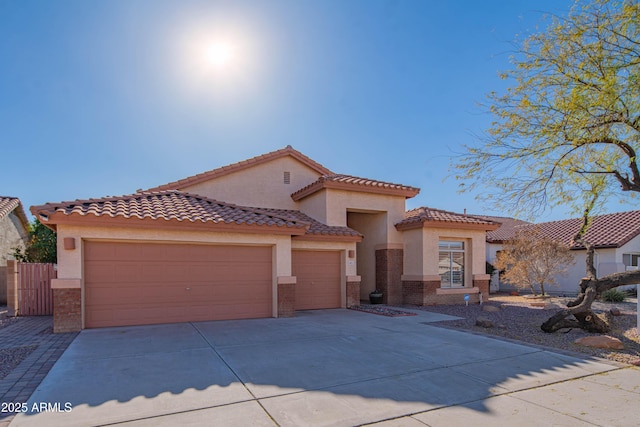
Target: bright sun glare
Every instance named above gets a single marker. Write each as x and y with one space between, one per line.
219 54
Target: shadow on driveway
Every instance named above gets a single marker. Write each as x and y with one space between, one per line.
327 367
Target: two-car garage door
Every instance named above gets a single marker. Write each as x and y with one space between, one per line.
147 283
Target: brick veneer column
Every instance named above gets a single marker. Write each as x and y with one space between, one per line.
389 273
286 296
482 281
67 310
353 291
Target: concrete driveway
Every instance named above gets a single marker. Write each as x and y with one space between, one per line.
333 367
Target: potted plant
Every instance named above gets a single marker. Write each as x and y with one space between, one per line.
375 297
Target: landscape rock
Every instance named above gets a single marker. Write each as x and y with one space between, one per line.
490 308
636 362
601 341
484 322
615 311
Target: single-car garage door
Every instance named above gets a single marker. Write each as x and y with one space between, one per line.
318 279
147 283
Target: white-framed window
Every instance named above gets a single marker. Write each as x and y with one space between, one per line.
451 263
631 261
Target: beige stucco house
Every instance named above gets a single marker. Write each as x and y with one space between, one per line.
615 238
14 233
260 238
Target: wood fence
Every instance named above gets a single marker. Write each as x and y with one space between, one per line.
33 289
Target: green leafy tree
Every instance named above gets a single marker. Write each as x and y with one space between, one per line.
567 130
41 246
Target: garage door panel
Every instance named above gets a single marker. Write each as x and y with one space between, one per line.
318 283
145 283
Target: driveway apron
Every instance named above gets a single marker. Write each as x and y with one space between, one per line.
322 368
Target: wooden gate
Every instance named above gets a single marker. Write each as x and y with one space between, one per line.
35 297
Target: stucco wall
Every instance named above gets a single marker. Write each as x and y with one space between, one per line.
12 235
414 256
373 227
427 265
261 185
331 206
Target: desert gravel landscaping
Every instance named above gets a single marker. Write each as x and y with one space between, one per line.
516 319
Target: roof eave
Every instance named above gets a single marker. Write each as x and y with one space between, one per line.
445 224
407 193
51 220
328 238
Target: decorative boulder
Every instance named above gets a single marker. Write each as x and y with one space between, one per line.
601 341
490 308
615 311
484 322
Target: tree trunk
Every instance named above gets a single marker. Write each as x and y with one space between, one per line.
580 308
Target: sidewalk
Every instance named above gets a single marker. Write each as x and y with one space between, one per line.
23 380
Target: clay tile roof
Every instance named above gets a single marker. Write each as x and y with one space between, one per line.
316 228
507 229
168 205
10 204
605 231
425 216
235 167
354 183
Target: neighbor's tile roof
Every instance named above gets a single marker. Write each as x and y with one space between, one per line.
507 229
9 204
317 228
354 183
169 205
425 214
605 231
235 167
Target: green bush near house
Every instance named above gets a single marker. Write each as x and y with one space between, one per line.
613 295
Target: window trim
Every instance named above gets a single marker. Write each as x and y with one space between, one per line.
452 247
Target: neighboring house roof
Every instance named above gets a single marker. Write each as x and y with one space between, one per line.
187 208
236 167
11 204
605 231
507 229
429 217
353 183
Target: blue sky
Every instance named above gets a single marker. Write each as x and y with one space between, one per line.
105 97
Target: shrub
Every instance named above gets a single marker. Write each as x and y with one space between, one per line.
613 295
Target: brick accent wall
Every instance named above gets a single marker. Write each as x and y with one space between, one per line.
418 292
286 299
450 299
424 293
389 273
483 285
67 310
353 294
